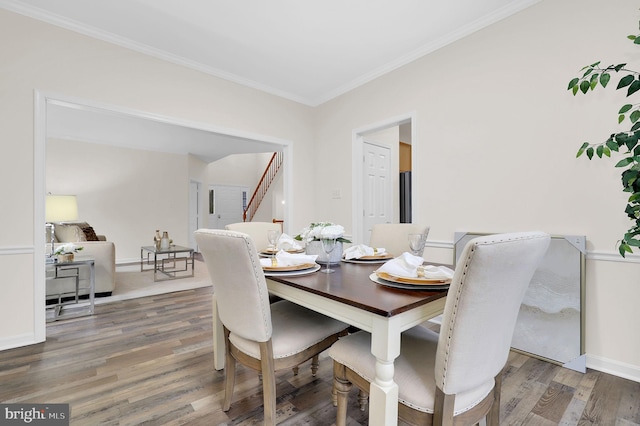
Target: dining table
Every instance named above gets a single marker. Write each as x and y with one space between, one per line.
352 294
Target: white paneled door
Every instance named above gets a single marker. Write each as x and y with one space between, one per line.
377 194
226 205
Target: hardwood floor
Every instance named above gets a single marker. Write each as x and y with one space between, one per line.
149 361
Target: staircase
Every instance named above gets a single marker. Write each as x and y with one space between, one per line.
263 186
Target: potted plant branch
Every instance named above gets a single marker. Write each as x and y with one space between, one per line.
624 143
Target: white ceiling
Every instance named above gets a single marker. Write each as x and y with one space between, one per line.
305 51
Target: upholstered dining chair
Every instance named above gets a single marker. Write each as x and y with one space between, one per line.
454 377
265 337
257 231
394 237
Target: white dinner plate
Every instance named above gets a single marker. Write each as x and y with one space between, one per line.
374 277
372 260
292 273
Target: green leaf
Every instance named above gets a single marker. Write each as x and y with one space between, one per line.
587 72
634 198
606 151
628 177
624 162
635 243
624 81
623 249
619 67
635 116
590 152
604 79
632 141
582 148
599 150
575 89
573 83
636 41
595 64
594 83
585 86
635 127
633 88
620 118
625 108
612 144
631 37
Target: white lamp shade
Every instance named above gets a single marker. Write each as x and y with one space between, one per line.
60 208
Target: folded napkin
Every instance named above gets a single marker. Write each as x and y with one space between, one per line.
360 250
433 272
289 259
286 242
405 265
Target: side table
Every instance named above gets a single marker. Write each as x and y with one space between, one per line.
168 264
68 302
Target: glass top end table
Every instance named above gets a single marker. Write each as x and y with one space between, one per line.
167 264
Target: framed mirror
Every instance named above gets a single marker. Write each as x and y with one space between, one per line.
550 324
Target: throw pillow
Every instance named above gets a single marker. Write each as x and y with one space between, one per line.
89 233
69 233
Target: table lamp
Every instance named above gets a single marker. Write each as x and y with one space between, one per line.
59 208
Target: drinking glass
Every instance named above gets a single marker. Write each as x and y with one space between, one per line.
273 235
416 244
328 244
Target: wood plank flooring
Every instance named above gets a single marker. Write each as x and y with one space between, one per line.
149 361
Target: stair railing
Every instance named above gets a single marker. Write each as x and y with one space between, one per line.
263 186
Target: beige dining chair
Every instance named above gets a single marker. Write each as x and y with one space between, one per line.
257 231
454 377
394 237
262 336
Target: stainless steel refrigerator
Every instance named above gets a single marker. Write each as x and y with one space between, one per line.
405 197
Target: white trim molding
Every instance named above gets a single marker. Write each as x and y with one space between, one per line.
616 368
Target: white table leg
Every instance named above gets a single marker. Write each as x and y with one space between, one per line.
383 394
218 337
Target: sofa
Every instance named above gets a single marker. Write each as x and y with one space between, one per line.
94 246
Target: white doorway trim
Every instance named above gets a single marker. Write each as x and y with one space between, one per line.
357 141
41 100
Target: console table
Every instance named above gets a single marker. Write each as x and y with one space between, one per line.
68 302
168 264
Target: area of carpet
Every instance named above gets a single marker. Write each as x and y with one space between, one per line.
131 283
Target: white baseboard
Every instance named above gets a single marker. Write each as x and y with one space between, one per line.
615 368
18 341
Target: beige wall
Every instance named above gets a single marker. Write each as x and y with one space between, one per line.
495 136
125 194
50 60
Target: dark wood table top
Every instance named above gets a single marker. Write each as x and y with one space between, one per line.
350 284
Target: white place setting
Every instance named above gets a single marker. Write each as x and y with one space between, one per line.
362 253
285 263
407 271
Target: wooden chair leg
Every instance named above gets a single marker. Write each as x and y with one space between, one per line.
268 383
314 365
443 408
342 387
493 417
363 399
229 374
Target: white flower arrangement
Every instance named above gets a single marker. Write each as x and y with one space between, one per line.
322 230
67 248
